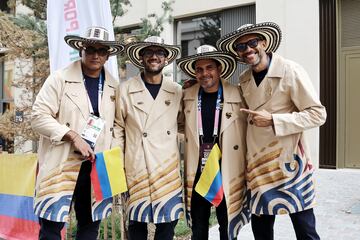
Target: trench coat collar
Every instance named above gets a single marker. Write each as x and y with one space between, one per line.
78 94
257 96
143 100
230 95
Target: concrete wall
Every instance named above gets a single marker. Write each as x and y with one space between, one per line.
299 22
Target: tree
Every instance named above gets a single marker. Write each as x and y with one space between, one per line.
211 29
29 46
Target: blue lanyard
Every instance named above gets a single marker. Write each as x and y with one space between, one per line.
217 113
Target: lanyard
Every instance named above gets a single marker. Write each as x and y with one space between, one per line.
100 92
217 114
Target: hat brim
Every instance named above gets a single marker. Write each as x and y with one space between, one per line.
133 51
77 43
226 60
270 31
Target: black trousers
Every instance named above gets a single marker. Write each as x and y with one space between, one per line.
86 228
163 231
200 214
303 223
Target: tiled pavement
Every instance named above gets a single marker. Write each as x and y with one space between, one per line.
337 212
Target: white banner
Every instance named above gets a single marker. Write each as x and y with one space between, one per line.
73 17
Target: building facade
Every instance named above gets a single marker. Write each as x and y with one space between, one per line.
320 35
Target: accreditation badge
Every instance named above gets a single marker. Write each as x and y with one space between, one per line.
92 130
205 150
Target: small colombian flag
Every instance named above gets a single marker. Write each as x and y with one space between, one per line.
107 174
210 183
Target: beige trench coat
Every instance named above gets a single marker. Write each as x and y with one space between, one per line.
60 106
233 148
147 132
279 169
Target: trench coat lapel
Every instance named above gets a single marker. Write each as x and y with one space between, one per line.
231 96
257 96
191 100
142 99
108 92
163 102
77 92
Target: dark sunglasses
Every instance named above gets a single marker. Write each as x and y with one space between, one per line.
150 53
241 47
100 51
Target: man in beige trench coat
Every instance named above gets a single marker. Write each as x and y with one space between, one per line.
147 107
65 103
211 68
282 103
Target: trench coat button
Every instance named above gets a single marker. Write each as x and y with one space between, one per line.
228 115
236 147
145 134
186 140
67 124
111 129
168 132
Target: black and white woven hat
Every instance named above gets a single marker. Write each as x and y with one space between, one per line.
94 35
133 50
226 60
269 30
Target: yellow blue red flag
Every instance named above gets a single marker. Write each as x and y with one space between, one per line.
210 183
107 174
17 186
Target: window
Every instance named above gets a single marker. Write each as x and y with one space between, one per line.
207 29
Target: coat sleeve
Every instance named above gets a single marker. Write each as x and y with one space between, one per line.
46 108
181 115
119 123
310 112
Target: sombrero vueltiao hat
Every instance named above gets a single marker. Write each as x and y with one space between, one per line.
133 50
226 60
94 35
269 30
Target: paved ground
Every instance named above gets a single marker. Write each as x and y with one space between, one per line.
337 212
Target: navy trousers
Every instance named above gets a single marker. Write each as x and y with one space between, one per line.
200 214
303 223
86 228
163 231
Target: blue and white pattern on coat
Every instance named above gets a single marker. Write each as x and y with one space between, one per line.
102 209
241 219
294 195
54 208
158 212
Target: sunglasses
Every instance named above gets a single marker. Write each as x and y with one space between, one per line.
150 53
100 51
241 47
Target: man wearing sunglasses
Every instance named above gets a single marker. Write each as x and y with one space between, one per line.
68 102
282 104
147 107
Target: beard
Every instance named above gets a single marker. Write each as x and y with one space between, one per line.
154 71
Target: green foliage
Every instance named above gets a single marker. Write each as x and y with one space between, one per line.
38 6
182 228
153 24
38 27
211 29
118 7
